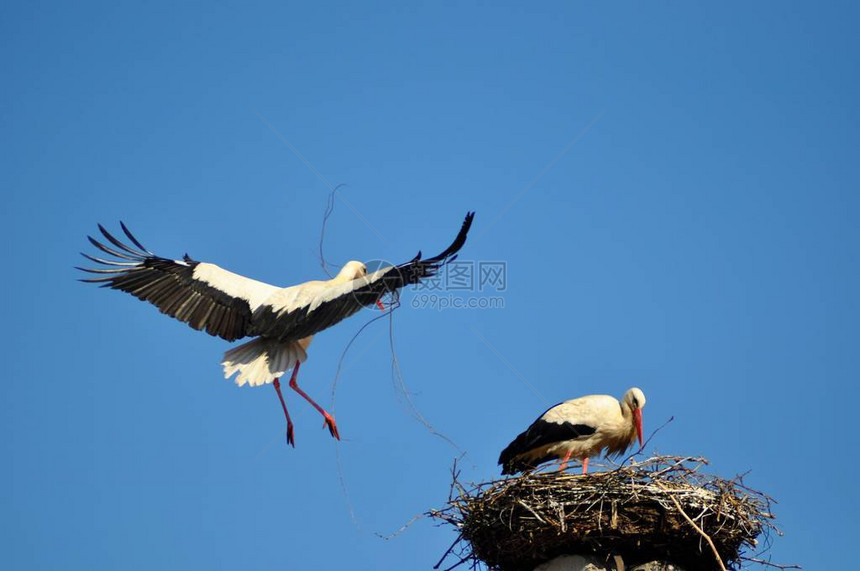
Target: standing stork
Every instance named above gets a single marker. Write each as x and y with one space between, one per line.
282 321
578 428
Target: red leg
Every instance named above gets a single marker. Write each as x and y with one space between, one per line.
563 464
585 465
329 419
380 305
290 440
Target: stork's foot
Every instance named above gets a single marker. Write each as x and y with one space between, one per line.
330 424
329 419
290 438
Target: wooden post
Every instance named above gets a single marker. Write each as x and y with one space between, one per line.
580 563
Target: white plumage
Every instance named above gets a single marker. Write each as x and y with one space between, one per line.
263 360
254 292
282 321
578 428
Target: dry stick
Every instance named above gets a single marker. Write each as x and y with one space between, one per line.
328 210
642 448
769 564
395 370
458 563
348 345
397 376
401 529
695 526
679 461
738 481
450 549
455 483
534 513
419 416
340 476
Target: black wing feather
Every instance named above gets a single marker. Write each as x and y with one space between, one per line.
119 244
107 250
540 433
169 285
134 240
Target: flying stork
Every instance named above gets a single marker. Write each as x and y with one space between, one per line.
282 321
578 428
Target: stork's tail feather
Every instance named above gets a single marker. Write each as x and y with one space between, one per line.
261 361
522 464
518 457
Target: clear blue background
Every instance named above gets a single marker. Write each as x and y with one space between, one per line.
698 239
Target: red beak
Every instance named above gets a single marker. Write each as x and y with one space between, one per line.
637 421
380 305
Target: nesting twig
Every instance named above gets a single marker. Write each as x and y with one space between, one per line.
697 528
328 210
767 563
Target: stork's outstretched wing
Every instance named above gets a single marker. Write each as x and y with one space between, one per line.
294 314
202 295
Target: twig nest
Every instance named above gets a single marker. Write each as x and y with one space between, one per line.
663 509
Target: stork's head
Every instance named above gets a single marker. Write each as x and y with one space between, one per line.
351 271
634 400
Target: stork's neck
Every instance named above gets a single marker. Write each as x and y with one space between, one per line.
623 433
629 423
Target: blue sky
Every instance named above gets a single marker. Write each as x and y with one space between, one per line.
673 189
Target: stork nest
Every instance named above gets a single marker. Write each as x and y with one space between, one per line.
662 509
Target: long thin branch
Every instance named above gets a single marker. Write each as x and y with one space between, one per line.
328 210
448 552
695 526
769 564
642 448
